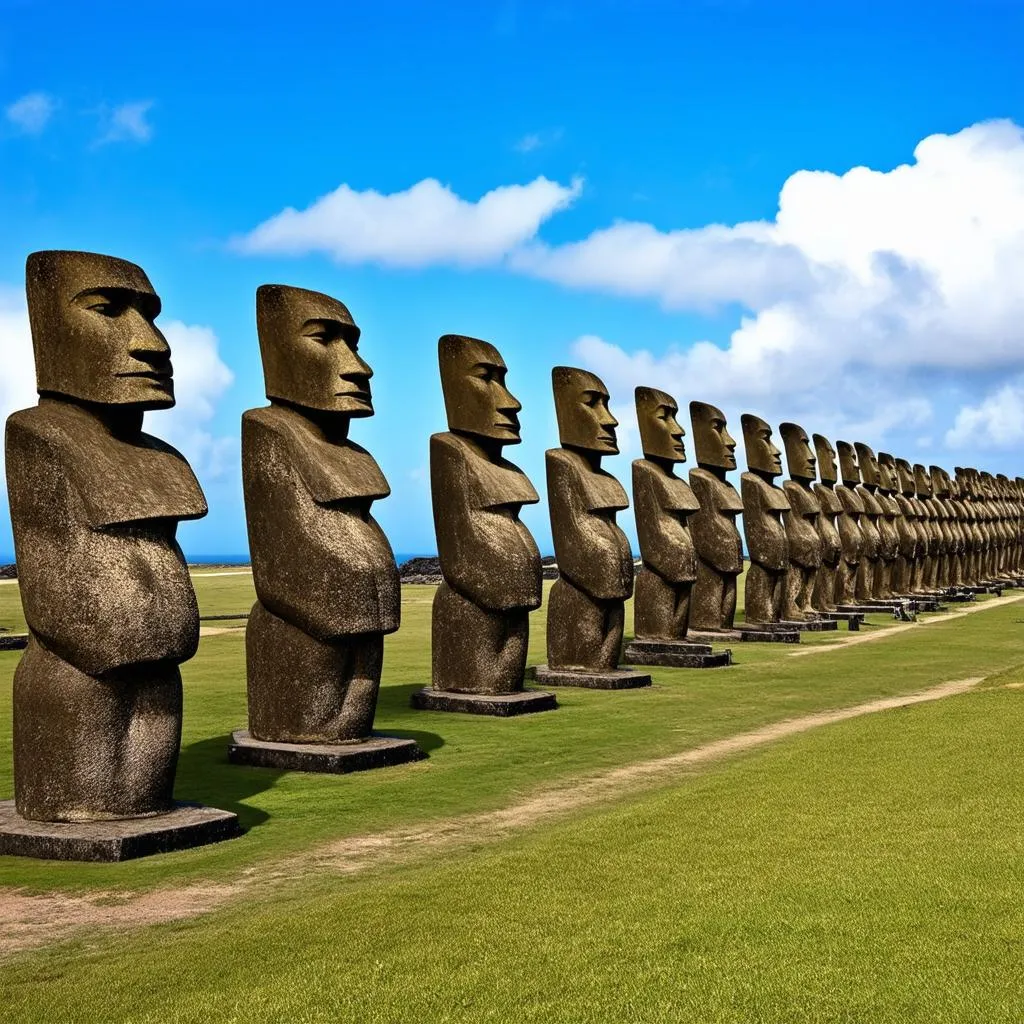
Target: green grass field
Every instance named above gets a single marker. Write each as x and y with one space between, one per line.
864 871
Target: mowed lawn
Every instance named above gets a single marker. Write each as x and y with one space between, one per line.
866 871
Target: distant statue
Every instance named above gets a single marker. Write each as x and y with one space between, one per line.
802 523
824 596
903 521
871 568
715 536
883 517
851 525
489 560
764 504
586 606
933 552
95 503
663 504
326 581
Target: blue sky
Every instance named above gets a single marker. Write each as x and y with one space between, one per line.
167 134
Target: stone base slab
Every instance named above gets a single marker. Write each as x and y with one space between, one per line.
853 620
501 705
13 641
185 826
770 632
821 625
616 679
330 758
675 654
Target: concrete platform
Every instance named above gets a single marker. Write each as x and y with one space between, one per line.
617 679
675 654
182 828
770 632
501 705
330 758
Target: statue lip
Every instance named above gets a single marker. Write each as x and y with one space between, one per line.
363 396
163 378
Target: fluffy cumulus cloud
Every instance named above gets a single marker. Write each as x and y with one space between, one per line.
31 113
200 378
870 297
424 225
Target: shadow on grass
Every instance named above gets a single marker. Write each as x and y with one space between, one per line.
205 775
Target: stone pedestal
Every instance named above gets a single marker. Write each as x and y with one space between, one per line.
616 679
185 826
822 625
13 641
853 620
332 758
675 654
771 633
501 705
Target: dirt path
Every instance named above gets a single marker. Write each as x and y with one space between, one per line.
29 921
865 638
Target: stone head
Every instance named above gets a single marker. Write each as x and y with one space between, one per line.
799 456
905 478
713 444
848 467
94 332
922 482
826 459
887 480
661 435
868 464
987 484
940 481
309 344
581 406
762 455
476 400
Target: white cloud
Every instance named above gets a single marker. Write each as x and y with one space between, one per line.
200 379
875 303
127 123
32 112
426 224
997 421
536 140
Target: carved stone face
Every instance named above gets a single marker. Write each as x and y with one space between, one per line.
868 464
940 482
476 400
886 473
826 459
581 406
714 445
309 343
93 330
661 436
905 477
922 482
762 455
799 457
848 468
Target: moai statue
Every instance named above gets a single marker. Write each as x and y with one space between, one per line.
943 514
327 587
489 560
973 530
898 479
663 505
95 503
715 535
764 504
824 596
933 554
586 607
908 488
880 539
958 527
803 531
852 522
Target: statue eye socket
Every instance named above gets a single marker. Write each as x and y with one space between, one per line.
105 306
